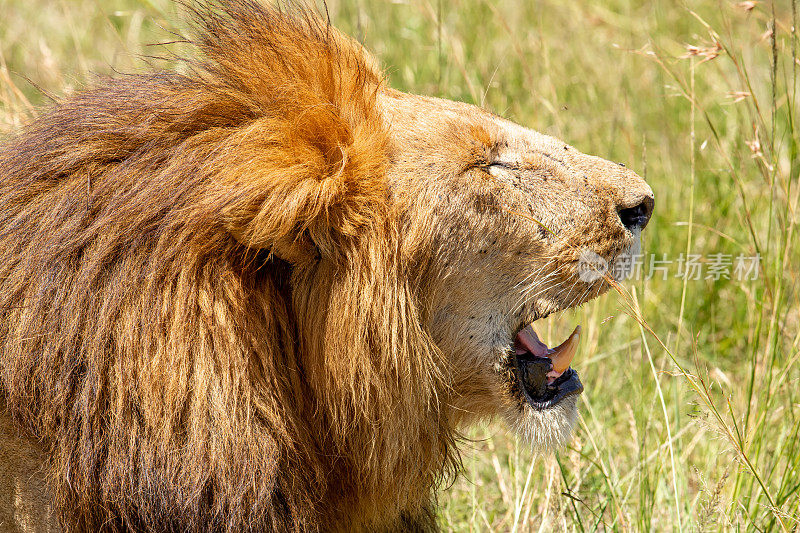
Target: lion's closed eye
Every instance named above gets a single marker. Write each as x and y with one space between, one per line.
501 168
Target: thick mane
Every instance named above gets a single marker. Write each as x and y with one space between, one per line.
204 315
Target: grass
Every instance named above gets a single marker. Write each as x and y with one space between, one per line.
691 417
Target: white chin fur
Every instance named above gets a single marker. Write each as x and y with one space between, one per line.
549 428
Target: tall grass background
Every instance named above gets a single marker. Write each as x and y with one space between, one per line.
691 416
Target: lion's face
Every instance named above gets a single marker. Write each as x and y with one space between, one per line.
498 222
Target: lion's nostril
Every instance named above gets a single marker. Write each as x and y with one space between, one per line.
637 216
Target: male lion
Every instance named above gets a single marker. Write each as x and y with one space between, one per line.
266 294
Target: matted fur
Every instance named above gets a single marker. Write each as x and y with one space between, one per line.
161 239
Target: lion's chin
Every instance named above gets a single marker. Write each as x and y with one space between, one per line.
546 429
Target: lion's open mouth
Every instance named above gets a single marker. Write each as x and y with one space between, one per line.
544 374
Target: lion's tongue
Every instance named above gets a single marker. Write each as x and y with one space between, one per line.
561 356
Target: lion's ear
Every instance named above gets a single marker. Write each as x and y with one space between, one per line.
308 169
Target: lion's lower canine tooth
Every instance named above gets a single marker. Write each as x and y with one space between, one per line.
563 354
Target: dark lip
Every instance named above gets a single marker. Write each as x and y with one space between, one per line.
568 384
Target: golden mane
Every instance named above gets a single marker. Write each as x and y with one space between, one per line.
202 315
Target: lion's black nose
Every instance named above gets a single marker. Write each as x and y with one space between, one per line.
637 216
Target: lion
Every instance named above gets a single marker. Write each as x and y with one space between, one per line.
269 292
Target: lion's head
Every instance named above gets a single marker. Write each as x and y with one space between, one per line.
500 222
271 291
